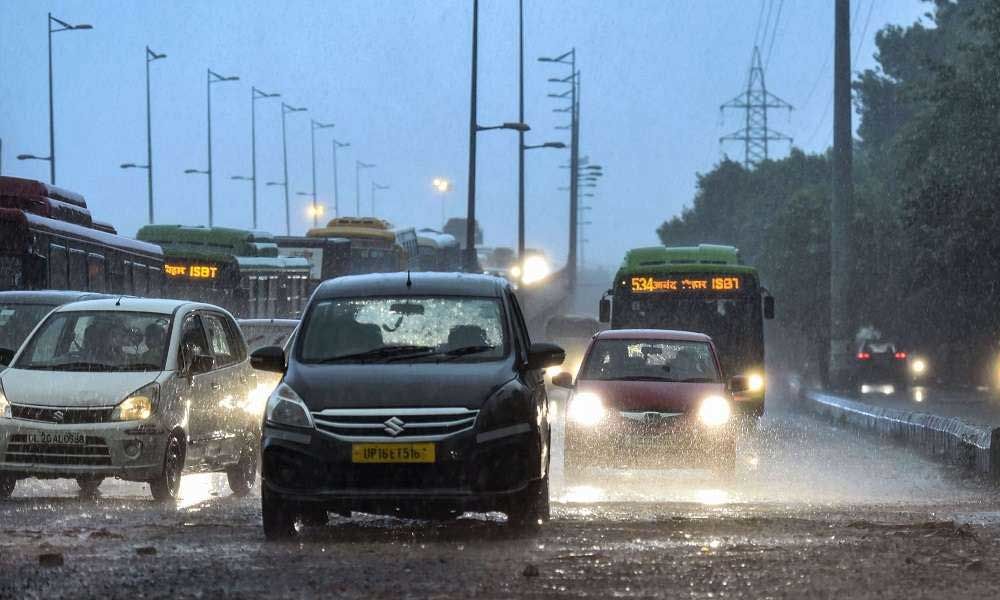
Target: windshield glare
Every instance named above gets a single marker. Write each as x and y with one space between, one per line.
17 321
689 362
99 341
459 328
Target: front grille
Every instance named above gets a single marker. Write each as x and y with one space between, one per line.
61 416
394 424
94 452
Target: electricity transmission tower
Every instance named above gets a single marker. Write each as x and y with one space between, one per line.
755 101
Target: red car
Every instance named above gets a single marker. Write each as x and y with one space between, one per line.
650 397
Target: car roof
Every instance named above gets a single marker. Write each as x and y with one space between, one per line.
672 335
49 296
421 284
151 305
289 323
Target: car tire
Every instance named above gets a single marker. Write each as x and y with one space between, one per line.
7 485
529 509
89 485
278 517
314 517
243 475
165 487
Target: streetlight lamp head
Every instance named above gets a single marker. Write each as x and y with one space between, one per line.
557 145
517 126
272 183
82 26
128 165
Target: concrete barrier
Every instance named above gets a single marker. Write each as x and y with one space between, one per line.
947 438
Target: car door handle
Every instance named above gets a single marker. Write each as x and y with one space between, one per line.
216 386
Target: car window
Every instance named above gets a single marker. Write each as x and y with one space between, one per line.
235 337
218 340
467 328
17 321
193 342
653 360
104 340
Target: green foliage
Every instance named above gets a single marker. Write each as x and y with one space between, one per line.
925 228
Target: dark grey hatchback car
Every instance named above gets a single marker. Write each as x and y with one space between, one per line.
417 396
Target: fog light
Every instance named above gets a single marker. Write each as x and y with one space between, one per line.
132 449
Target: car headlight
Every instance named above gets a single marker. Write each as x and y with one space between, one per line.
4 405
714 411
755 382
284 407
138 406
586 408
918 366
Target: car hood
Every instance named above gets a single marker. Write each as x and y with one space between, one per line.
656 396
399 385
71 388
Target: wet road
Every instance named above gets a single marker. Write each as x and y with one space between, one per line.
813 511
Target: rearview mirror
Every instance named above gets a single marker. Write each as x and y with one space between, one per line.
202 363
6 355
563 380
604 310
268 358
768 307
407 308
542 355
739 384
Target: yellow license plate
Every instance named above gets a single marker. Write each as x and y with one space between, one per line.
392 453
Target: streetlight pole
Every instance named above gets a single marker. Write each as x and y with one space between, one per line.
376 186
255 95
150 57
520 135
358 165
210 78
520 194
285 109
336 183
314 125
470 217
63 26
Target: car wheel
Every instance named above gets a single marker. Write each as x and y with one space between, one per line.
243 475
278 517
7 485
168 484
530 508
89 485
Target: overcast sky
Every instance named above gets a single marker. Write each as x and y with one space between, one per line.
393 75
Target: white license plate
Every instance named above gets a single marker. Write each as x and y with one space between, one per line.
62 438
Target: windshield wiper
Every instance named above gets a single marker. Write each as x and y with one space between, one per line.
699 380
140 367
383 352
645 378
74 366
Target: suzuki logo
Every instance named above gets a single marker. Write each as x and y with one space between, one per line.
58 416
394 426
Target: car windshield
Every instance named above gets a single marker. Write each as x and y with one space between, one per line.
404 329
17 321
98 341
651 360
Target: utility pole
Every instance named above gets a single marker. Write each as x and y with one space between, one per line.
520 134
336 184
470 217
150 57
574 188
842 201
755 102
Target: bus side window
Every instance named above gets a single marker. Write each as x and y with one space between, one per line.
58 267
140 279
78 270
155 282
128 287
96 273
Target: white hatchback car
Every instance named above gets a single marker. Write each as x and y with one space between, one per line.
137 389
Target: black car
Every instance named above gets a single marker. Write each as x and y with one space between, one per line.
881 366
21 311
418 396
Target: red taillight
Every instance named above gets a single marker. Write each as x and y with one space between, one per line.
864 356
901 355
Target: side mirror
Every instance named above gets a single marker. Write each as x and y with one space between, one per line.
563 380
604 310
202 363
542 355
739 384
768 307
268 358
6 355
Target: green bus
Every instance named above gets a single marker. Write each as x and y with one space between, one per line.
236 269
703 288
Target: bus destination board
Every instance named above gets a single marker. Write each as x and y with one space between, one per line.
680 284
191 271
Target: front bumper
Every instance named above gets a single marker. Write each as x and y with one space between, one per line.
649 437
127 450
473 471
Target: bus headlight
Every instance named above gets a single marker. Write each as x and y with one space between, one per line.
714 411
755 382
918 366
586 408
